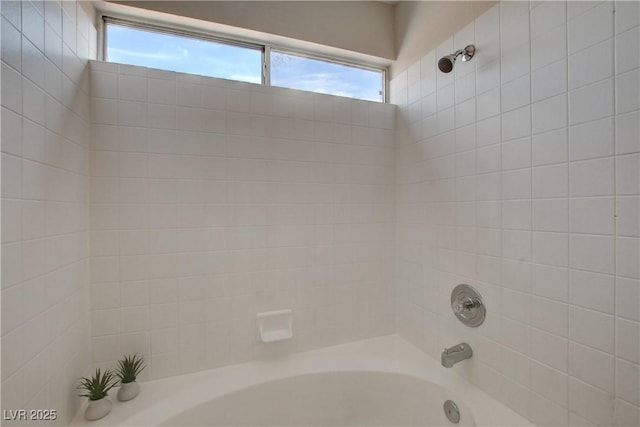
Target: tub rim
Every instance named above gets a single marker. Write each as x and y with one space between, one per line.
165 398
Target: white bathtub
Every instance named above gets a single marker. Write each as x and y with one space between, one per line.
376 382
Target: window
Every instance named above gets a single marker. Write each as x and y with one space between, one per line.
315 75
167 49
186 54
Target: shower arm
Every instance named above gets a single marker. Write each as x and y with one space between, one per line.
467 53
458 53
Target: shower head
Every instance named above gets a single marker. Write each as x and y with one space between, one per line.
446 63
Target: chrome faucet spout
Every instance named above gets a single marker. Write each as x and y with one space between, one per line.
452 355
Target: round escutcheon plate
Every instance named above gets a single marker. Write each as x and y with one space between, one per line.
467 305
451 411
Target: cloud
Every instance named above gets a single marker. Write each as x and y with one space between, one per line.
250 78
115 53
327 83
324 77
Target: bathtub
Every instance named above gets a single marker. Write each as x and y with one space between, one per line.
376 382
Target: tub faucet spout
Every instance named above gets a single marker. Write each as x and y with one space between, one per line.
457 353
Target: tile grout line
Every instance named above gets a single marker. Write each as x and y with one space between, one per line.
615 221
531 227
567 163
500 114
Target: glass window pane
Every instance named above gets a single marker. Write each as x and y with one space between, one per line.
314 75
152 49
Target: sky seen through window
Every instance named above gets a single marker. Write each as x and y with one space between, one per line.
182 54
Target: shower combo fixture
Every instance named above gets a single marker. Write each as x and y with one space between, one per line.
446 63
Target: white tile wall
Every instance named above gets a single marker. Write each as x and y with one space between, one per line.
213 200
45 164
550 206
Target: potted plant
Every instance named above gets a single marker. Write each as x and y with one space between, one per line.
97 388
129 367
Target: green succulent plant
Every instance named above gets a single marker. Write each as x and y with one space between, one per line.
129 367
98 385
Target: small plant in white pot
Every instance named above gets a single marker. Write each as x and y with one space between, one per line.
97 387
129 367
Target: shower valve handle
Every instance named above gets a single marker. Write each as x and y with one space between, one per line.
462 306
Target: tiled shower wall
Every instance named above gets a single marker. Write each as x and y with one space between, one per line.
213 200
518 174
45 167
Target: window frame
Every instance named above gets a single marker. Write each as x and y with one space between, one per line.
264 48
324 58
106 20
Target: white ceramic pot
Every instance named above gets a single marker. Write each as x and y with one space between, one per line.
97 409
128 391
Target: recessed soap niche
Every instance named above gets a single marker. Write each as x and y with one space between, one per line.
275 326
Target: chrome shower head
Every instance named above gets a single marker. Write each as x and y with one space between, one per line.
446 63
